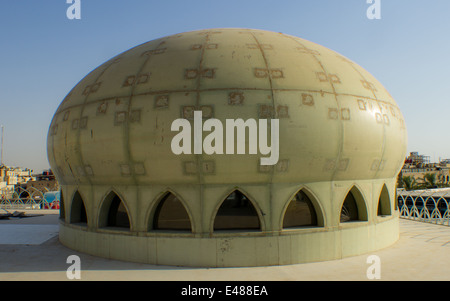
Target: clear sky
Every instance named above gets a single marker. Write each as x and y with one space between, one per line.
43 54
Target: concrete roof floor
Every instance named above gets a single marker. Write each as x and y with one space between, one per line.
30 250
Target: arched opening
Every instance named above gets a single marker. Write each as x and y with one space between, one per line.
113 212
62 212
78 210
397 200
354 207
300 212
171 214
384 203
236 213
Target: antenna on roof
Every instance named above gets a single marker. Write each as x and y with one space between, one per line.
1 160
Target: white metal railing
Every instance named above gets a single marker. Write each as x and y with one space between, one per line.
30 198
429 205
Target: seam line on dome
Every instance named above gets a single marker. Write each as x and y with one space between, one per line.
341 138
269 76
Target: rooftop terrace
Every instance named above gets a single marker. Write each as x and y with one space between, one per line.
30 250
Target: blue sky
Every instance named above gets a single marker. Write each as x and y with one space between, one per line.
43 54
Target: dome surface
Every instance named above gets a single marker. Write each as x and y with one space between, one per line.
336 120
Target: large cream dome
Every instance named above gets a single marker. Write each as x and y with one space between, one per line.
339 131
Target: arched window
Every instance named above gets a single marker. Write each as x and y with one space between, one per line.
384 203
171 214
354 207
300 212
397 200
62 212
236 213
113 212
78 210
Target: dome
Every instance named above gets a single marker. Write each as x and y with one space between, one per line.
333 124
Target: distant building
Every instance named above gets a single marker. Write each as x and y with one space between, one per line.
414 159
15 179
44 182
11 177
417 166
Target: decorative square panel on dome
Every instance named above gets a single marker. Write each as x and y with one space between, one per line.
162 101
196 47
209 72
54 130
307 51
135 115
236 98
343 164
322 76
345 114
282 111
129 81
362 105
307 99
120 117
333 113
266 111
66 115
83 122
155 51
330 164
75 123
208 167
88 170
378 118
125 170
212 46
207 111
282 165
139 168
143 78
334 78
276 73
368 85
190 73
102 108
188 112
261 72
190 167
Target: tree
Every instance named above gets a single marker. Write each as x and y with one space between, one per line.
429 180
409 183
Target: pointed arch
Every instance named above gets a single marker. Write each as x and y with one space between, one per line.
302 211
113 212
354 207
237 212
78 209
384 202
171 214
62 211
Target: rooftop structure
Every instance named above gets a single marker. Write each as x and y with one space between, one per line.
331 193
